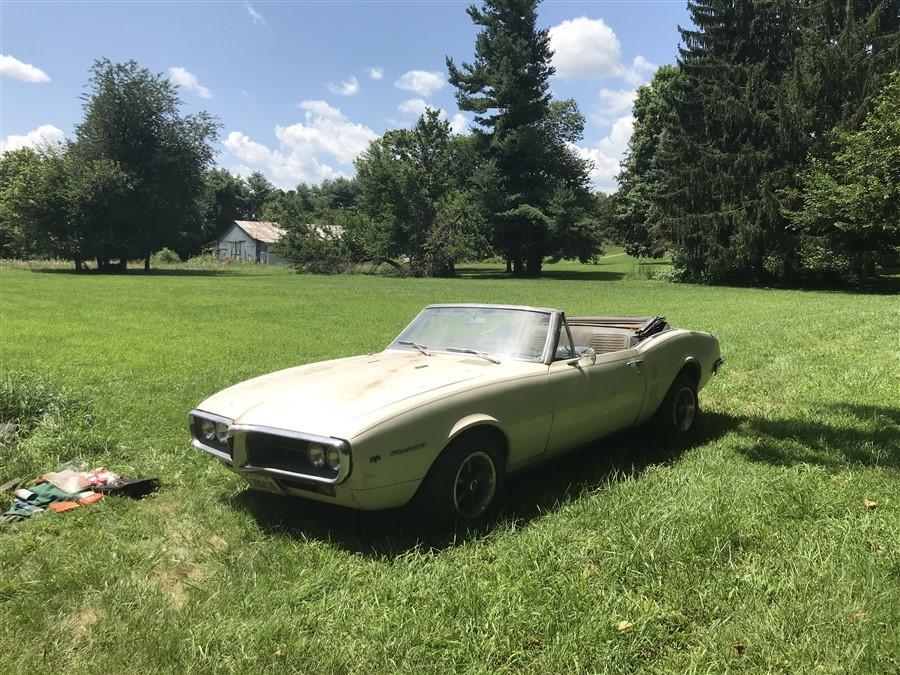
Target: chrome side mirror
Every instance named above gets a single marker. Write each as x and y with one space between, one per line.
588 353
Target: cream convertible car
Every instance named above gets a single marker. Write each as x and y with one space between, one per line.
465 395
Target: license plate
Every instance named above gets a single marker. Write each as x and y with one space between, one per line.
263 483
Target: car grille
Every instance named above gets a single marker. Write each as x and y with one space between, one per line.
278 452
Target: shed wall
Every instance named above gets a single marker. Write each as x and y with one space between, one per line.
236 244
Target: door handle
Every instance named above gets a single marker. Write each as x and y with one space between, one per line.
636 364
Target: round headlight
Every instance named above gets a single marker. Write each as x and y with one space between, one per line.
316 455
334 459
222 432
208 429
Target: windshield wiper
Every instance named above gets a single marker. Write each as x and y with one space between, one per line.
422 348
483 355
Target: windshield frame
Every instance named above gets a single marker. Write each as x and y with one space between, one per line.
549 340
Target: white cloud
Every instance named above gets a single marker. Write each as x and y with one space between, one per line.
325 134
585 47
188 81
639 72
617 100
285 169
607 154
256 16
375 72
345 88
45 135
422 82
414 106
322 109
327 130
459 124
613 104
589 48
12 67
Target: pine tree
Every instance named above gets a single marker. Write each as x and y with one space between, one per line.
723 160
523 134
636 220
760 88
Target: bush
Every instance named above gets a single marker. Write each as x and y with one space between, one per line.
666 274
202 261
165 256
308 250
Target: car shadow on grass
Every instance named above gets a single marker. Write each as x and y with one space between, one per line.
867 435
529 495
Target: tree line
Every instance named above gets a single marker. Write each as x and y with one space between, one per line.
138 175
769 153
513 187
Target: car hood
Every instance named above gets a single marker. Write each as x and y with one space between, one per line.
343 397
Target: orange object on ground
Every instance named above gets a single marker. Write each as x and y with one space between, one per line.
59 507
91 498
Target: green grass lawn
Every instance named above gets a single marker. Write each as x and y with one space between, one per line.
748 548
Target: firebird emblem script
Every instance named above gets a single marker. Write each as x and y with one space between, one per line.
408 448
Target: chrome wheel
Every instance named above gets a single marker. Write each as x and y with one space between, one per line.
685 409
475 485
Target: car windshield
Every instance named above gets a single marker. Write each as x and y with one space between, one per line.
499 332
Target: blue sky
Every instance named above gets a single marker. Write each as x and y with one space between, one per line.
302 87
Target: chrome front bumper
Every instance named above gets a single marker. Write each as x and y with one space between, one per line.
239 458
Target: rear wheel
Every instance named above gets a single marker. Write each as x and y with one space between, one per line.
678 412
463 483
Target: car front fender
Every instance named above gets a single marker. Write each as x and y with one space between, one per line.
469 421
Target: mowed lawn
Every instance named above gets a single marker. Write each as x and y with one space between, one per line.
749 548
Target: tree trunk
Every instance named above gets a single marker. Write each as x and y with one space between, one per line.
442 266
101 263
78 266
508 265
517 266
147 263
535 262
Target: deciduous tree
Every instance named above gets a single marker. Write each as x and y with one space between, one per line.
410 181
132 119
850 218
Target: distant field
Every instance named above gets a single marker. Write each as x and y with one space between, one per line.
750 548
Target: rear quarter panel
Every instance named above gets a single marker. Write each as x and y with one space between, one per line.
666 354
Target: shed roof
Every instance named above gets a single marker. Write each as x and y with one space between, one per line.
261 230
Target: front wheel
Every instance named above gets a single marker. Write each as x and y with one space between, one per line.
678 412
463 483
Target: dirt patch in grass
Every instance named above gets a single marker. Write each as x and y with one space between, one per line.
80 625
175 583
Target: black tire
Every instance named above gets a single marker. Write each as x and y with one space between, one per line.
678 412
464 482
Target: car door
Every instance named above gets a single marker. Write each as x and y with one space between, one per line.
619 383
593 396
